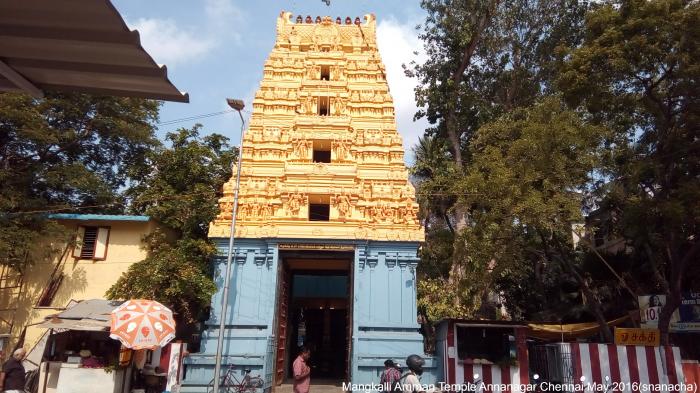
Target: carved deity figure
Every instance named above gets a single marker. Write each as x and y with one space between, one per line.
342 202
242 211
375 214
313 71
294 203
410 212
301 148
341 150
400 216
265 211
339 106
308 105
255 210
336 73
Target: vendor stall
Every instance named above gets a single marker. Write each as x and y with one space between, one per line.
82 353
493 352
79 354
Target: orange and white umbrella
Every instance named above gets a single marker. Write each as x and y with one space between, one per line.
142 324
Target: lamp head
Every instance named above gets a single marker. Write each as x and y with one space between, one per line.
235 104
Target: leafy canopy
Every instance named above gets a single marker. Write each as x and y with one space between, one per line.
64 151
178 186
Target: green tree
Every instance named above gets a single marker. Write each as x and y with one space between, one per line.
525 187
485 58
637 73
433 173
64 152
179 186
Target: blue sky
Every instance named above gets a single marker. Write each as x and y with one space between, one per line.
216 49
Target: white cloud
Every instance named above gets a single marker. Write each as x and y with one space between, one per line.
222 11
171 43
397 42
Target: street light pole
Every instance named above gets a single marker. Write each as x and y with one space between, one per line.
237 105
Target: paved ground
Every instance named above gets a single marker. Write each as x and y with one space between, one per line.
317 386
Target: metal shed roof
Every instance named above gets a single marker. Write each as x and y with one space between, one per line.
97 217
76 45
91 315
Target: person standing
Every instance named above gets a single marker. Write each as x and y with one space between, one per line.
302 371
12 377
390 377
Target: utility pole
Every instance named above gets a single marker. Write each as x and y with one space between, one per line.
237 105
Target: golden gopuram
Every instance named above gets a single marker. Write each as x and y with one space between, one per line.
326 244
322 158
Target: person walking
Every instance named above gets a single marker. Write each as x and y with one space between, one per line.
12 376
412 382
302 371
390 377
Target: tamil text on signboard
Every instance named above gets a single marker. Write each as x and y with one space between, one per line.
634 336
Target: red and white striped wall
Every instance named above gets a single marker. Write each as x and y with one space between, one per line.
644 365
622 364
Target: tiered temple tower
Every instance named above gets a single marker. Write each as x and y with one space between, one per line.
327 233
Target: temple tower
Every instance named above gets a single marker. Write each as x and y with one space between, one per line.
327 233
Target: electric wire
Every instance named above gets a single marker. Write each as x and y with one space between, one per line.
170 198
194 117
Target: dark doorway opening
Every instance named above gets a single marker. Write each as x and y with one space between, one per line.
325 72
319 313
324 106
319 212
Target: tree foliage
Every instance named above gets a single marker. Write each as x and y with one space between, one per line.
549 110
637 73
179 186
64 151
486 59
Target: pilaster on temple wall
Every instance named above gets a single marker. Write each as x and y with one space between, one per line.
322 135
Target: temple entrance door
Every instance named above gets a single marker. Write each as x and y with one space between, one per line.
348 322
319 304
282 324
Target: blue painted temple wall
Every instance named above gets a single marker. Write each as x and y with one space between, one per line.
383 311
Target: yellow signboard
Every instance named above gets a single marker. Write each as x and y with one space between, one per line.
319 247
634 336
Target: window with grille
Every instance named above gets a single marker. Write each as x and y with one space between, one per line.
91 243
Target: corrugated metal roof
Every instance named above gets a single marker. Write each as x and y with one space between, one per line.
76 45
91 315
75 324
98 309
97 217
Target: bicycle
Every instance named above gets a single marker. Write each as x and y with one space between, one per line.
230 384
